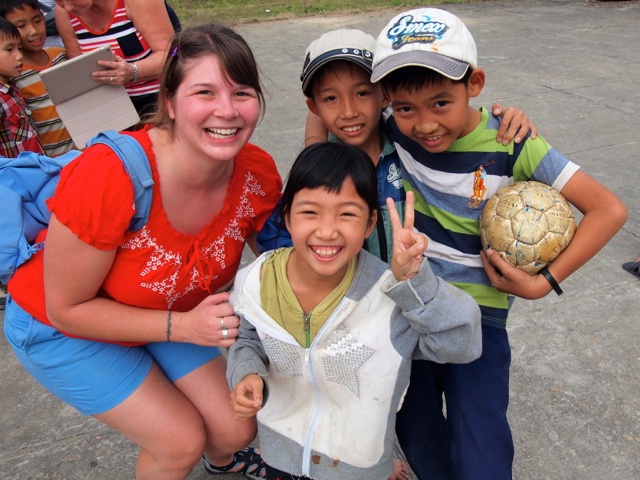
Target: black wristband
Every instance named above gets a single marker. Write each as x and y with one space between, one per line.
547 274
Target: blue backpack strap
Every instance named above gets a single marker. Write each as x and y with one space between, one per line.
136 163
26 183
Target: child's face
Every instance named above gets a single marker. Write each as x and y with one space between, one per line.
10 58
30 23
436 115
328 229
349 105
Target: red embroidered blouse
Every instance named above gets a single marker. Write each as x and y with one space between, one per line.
156 267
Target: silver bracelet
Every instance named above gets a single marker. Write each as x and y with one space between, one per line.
136 73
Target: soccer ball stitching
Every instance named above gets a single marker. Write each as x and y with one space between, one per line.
528 224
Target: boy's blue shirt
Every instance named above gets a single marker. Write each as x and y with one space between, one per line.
274 234
446 212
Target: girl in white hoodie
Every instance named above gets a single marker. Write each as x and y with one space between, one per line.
328 331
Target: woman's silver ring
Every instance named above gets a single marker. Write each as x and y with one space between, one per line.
225 333
222 325
111 79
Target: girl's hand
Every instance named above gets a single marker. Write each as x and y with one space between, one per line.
408 245
514 125
509 279
246 397
211 323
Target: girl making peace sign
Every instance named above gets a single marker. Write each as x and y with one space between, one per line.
328 331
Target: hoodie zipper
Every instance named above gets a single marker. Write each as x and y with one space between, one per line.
307 335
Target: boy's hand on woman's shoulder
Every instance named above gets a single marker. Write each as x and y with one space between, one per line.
514 125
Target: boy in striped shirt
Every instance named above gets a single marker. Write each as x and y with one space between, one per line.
17 130
426 62
29 20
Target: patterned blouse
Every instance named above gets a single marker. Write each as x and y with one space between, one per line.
157 267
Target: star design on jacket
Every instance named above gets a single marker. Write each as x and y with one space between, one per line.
345 356
283 357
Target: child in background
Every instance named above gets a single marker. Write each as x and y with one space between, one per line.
48 10
426 62
29 20
328 331
18 132
345 106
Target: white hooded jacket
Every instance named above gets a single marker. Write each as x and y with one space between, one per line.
329 410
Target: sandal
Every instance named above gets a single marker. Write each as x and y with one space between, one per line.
633 268
247 462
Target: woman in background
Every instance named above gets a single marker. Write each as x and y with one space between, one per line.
138 31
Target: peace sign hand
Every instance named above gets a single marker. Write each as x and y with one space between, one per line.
408 245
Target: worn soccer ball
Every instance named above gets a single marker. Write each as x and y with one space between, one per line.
528 224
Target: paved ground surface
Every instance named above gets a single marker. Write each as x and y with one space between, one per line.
573 66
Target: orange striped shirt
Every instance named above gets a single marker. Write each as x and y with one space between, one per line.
51 131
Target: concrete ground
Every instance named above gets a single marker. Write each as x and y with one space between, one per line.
573 67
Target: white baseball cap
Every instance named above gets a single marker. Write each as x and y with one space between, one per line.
344 44
425 37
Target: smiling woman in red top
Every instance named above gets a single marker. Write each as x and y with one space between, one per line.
126 326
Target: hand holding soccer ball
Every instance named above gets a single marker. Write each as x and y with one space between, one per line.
528 223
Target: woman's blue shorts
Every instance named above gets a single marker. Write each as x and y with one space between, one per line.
92 376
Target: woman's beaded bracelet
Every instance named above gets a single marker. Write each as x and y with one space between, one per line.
136 73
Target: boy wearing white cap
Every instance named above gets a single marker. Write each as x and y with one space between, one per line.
426 62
